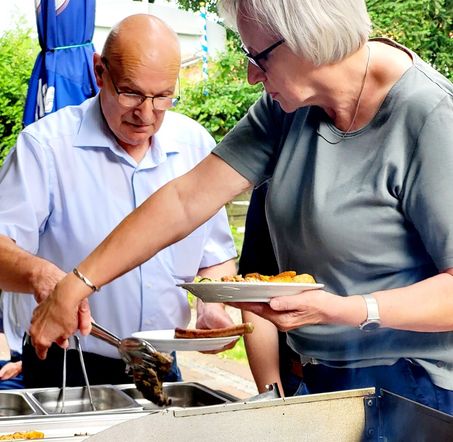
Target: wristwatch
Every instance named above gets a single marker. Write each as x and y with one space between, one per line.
373 320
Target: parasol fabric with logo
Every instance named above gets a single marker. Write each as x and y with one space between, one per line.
63 71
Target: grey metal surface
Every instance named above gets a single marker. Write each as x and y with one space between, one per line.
404 420
339 416
62 393
182 394
325 417
16 404
105 398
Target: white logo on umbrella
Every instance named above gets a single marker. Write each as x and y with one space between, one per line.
60 5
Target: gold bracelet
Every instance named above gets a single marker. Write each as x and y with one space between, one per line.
85 280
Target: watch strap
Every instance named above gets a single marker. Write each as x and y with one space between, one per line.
373 320
372 308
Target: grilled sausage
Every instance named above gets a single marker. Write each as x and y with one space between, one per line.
236 330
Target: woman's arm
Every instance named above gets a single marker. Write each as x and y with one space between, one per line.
168 215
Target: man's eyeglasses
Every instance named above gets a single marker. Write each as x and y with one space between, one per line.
254 59
129 99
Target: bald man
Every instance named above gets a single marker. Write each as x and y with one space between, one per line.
75 174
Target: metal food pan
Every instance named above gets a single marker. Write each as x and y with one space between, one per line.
67 428
182 394
106 398
16 403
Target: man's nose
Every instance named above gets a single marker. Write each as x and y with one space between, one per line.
255 74
147 107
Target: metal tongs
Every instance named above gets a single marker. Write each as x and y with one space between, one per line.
148 366
82 363
133 351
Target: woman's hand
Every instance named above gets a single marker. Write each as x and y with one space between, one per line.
58 317
310 307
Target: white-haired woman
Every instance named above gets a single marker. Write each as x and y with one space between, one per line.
354 136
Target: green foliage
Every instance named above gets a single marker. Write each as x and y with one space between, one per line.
17 54
238 238
195 5
237 353
425 26
221 101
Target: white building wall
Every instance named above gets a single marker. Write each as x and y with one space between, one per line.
188 25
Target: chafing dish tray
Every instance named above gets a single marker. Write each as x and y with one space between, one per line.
16 403
105 398
182 394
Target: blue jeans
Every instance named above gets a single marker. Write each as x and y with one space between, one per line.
405 378
174 375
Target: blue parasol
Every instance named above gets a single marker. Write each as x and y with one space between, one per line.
63 71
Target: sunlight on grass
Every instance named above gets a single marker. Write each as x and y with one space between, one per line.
237 353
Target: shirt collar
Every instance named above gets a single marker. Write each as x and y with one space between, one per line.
93 131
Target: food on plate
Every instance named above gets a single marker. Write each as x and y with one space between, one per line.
287 276
148 378
197 333
27 435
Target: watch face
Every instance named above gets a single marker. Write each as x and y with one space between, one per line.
372 324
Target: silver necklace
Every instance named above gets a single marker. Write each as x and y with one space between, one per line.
357 106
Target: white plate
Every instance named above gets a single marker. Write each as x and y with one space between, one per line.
245 291
164 340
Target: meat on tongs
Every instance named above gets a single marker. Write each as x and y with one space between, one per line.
148 366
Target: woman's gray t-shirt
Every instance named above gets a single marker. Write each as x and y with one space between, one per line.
372 212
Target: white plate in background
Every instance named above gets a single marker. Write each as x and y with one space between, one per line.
165 341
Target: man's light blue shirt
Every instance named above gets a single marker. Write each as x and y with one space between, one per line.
68 183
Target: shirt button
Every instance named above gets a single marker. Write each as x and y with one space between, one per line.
440 364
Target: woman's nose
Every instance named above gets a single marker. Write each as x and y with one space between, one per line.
255 74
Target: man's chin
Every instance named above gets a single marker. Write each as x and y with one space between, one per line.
135 140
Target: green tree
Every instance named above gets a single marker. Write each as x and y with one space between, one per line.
195 5
425 26
17 54
225 97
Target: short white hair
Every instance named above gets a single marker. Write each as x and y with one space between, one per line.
321 31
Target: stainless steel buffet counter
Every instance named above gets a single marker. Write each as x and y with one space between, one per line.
348 416
201 414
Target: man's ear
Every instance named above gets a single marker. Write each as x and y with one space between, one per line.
98 69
